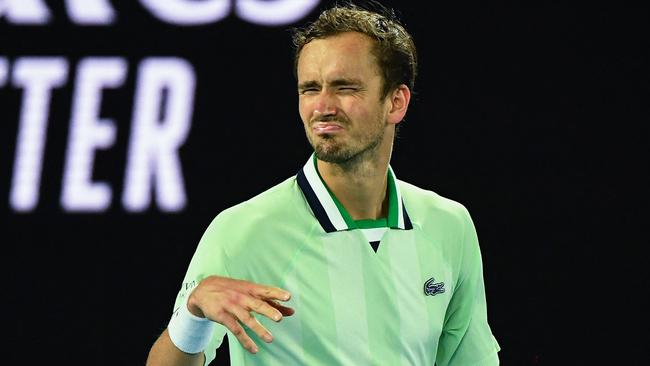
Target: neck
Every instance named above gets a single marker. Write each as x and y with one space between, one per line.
360 184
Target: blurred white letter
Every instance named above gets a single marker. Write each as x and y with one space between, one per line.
160 126
91 12
25 11
188 12
277 12
4 70
37 76
88 133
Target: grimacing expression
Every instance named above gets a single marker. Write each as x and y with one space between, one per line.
339 88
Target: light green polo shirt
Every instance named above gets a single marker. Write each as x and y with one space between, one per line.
405 290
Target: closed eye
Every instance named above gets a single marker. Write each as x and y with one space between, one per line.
308 87
308 91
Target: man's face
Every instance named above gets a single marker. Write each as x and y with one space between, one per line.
339 88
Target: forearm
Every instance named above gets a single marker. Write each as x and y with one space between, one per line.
165 353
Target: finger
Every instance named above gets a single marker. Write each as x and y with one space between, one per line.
270 293
285 310
238 331
263 307
249 321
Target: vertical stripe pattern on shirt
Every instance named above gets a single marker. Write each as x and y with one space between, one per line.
412 309
343 251
292 324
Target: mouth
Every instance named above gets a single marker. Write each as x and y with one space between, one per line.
326 128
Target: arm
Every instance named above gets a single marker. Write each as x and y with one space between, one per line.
209 291
228 302
165 353
466 336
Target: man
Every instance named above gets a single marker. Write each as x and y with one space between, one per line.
342 264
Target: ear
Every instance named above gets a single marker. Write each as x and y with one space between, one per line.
398 104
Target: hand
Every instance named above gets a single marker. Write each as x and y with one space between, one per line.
229 302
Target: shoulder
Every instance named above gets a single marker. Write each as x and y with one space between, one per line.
278 201
273 224
276 213
445 222
425 206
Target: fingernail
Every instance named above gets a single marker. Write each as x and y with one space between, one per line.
268 337
254 349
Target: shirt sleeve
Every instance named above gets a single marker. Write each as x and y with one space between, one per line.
209 259
466 337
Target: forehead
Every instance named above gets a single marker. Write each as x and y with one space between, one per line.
343 55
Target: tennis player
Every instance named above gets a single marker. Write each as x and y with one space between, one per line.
342 264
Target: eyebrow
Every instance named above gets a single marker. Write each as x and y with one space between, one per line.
308 84
339 82
335 83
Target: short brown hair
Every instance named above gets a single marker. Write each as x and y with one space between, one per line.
394 48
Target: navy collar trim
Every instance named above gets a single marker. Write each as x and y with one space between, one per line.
325 209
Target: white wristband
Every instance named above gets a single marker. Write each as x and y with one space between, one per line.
190 333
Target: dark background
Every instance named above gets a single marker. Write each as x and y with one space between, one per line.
535 119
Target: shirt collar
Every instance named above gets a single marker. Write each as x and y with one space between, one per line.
331 215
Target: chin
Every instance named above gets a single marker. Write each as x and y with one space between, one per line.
333 154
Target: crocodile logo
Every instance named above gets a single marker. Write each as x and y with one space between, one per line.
431 287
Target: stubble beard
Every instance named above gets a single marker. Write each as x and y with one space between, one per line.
350 155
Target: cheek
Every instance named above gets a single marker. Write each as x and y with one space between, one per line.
304 110
357 112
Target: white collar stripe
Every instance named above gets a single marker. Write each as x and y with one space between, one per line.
323 196
326 210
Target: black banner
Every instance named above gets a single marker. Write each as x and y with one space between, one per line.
127 126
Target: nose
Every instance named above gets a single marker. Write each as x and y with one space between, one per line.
325 105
